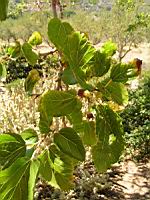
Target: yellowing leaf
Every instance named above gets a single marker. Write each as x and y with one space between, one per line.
31 80
35 38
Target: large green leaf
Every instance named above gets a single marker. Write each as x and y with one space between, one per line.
68 77
105 154
3 9
100 64
34 169
45 122
62 169
58 32
70 143
107 122
110 133
89 133
75 117
30 137
122 72
14 181
31 80
114 91
45 165
78 52
17 182
29 54
58 103
12 146
76 49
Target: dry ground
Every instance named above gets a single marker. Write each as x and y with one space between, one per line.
143 53
131 181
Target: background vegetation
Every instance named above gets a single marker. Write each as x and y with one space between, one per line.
126 23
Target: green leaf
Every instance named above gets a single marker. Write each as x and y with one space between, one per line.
62 169
35 38
15 51
104 154
107 122
58 32
110 133
12 146
14 181
34 169
78 52
68 77
45 165
70 143
3 71
17 182
89 133
58 103
122 72
3 9
75 117
31 80
29 54
114 91
82 79
76 48
45 121
30 137
109 48
100 64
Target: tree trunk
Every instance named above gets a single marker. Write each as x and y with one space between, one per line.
54 7
56 3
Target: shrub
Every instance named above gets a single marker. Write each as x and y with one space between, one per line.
136 119
23 27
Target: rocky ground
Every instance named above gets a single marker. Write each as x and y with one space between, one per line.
125 181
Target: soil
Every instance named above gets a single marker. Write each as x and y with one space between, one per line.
131 181
127 180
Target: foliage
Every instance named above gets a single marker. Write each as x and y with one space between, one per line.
92 25
3 9
75 112
15 10
67 115
136 119
24 26
126 28
130 25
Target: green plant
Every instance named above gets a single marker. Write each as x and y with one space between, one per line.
18 60
65 128
130 27
3 9
74 113
23 27
136 120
